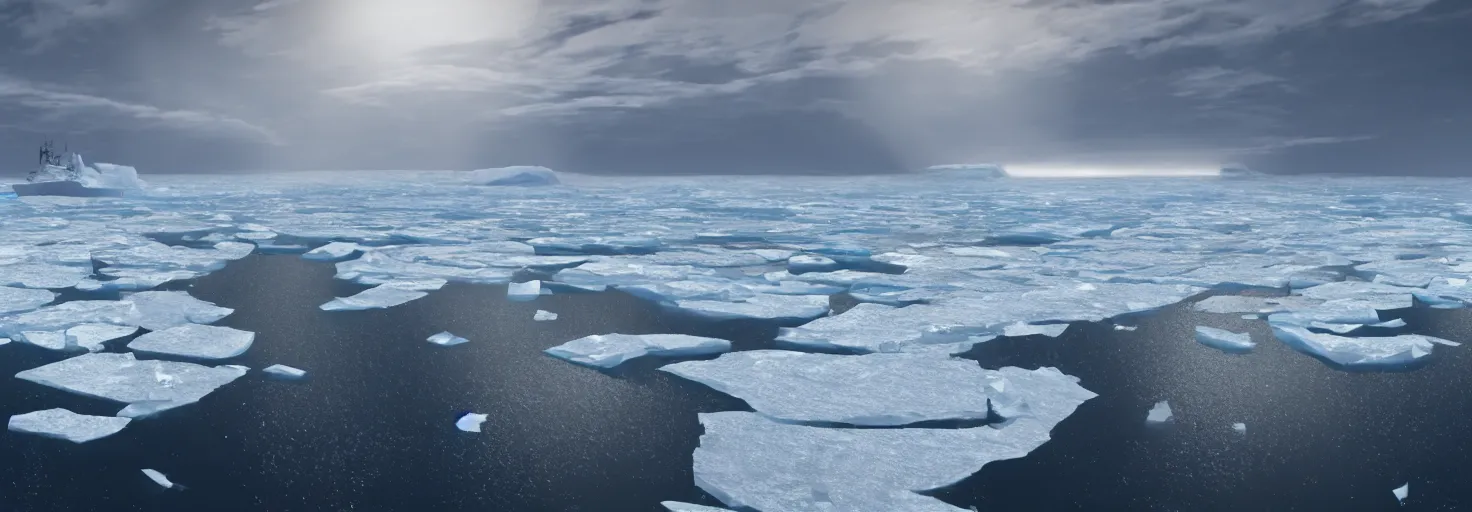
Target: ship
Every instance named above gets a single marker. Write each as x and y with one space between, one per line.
62 173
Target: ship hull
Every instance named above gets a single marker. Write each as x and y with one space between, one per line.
64 188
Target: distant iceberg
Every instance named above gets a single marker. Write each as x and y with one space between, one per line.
970 170
515 176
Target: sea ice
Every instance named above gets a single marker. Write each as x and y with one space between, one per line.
64 424
1394 323
610 350
49 340
676 506
1246 304
1366 353
195 341
470 422
1240 428
334 251
161 310
863 390
92 336
285 372
1223 340
385 295
1160 413
70 314
544 316
776 308
159 478
1402 492
804 263
445 339
523 292
750 462
122 378
1021 329
1045 394
19 300
42 275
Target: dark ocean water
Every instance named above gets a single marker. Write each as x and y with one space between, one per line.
371 429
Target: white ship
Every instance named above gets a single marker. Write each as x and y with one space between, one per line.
64 174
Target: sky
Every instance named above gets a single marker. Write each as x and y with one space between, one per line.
741 86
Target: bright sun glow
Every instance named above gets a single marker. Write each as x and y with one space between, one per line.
393 29
1113 171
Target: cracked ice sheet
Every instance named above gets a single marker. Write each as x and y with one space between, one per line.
748 461
154 311
385 295
65 424
1371 353
19 300
42 275
611 350
155 385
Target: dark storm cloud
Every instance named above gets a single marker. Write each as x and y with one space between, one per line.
695 86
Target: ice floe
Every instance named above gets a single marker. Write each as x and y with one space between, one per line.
445 339
151 385
610 350
1240 428
1402 492
284 372
386 295
157 311
334 251
470 422
1160 413
676 506
159 478
1224 340
1361 353
544 316
195 341
522 292
92 336
19 300
65 424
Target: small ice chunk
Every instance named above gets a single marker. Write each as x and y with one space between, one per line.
334 251
1402 492
470 422
19 300
445 339
195 341
1159 414
803 263
1021 329
64 424
1125 327
385 295
610 350
677 506
1223 340
4 341
1251 317
159 478
285 372
92 336
544 316
1240 428
1394 323
523 292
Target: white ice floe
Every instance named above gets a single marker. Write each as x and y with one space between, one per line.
157 385
49 340
385 295
748 461
19 300
335 251
92 336
544 316
445 339
65 424
470 422
285 372
1362 353
522 292
610 350
1256 305
677 506
1021 329
803 263
161 310
159 478
1402 492
195 341
1224 340
1240 428
776 308
1160 413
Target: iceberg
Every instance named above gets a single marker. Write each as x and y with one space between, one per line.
750 462
1223 340
611 350
335 251
284 372
544 316
20 300
1160 413
195 342
49 340
523 292
158 311
788 309
385 295
1359 353
159 478
1258 305
868 328
676 506
64 424
517 176
445 339
470 422
863 390
160 385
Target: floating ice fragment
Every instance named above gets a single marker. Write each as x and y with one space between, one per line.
1366 353
544 316
161 310
676 506
789 309
65 424
1394 323
1240 428
803 263
523 292
334 251
1402 492
159 478
4 341
514 176
195 341
445 339
610 350
470 422
49 340
18 300
285 372
1125 327
42 275
864 390
385 295
123 378
92 336
1021 329
1224 340
1159 414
